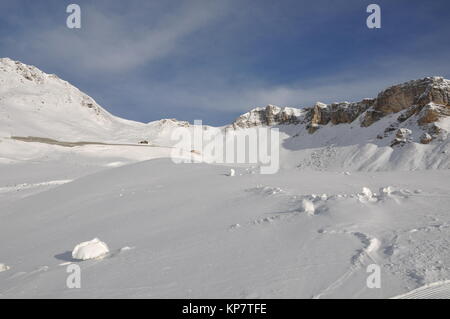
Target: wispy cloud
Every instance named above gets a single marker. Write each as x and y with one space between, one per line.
116 41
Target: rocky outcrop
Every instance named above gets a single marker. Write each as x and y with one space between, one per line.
28 72
336 113
171 122
418 92
268 116
410 95
402 136
319 114
426 138
428 98
431 113
370 117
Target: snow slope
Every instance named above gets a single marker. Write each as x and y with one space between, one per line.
352 147
33 103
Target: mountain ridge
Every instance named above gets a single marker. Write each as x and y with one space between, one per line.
34 103
370 134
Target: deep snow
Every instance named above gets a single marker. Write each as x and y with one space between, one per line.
196 232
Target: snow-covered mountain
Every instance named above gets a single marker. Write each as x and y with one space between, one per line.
424 102
36 104
405 127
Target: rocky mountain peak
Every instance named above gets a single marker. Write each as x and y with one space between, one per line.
428 98
420 104
27 72
412 95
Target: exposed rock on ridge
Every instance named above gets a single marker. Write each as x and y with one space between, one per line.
428 98
270 115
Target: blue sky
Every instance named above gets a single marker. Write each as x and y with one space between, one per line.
213 60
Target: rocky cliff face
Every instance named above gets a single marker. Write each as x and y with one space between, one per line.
336 113
425 101
414 94
268 116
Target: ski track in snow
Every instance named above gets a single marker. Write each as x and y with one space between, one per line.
26 186
367 253
436 290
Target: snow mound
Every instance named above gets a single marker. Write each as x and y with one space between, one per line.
308 207
374 245
3 267
90 250
367 196
386 191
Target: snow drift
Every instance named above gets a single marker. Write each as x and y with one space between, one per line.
90 250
